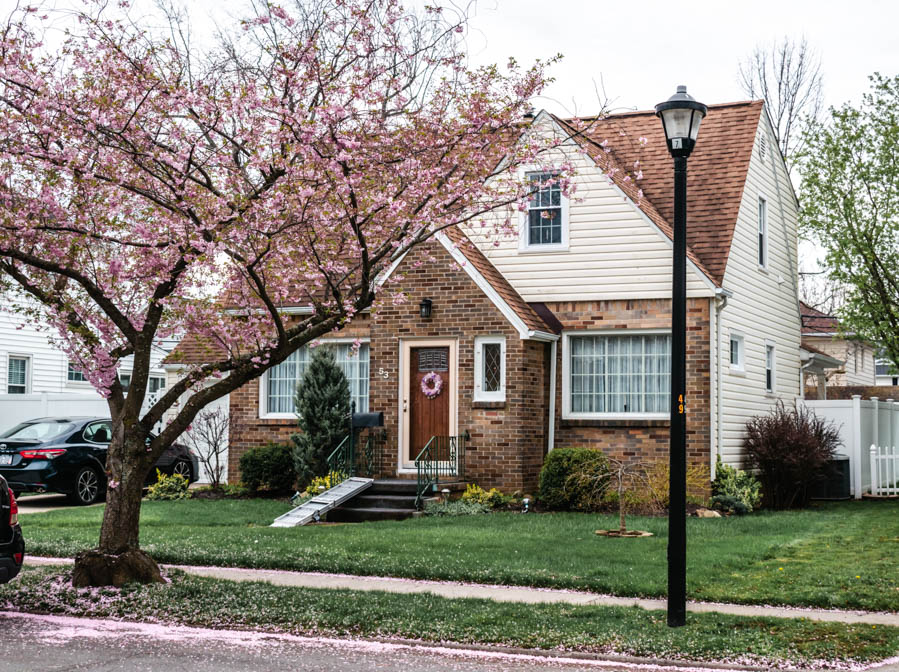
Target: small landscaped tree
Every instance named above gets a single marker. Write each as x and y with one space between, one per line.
323 407
208 436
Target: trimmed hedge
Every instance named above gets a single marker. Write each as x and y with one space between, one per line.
573 479
268 467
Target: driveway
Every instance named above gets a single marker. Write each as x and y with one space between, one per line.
44 503
57 643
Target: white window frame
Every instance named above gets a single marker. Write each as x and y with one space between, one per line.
773 347
29 362
479 393
263 382
740 366
75 383
762 232
523 245
567 413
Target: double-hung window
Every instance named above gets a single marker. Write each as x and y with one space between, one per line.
545 224
280 383
770 381
17 375
490 368
763 232
609 375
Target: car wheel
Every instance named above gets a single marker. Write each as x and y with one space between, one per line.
88 486
182 468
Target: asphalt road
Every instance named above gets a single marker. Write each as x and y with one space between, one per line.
30 643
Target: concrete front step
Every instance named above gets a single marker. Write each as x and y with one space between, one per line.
347 514
368 501
386 499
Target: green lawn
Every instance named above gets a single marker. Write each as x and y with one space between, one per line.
835 555
207 602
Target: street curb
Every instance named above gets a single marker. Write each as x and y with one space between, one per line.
501 593
555 654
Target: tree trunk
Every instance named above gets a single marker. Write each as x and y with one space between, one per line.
118 559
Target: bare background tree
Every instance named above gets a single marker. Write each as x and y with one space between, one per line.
208 436
820 291
787 74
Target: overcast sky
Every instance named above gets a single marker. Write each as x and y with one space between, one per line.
642 50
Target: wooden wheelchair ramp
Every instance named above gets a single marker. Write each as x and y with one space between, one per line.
316 507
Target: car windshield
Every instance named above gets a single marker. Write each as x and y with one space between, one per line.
38 431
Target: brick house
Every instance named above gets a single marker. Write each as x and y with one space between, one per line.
561 336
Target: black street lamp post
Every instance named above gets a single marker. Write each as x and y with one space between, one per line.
681 116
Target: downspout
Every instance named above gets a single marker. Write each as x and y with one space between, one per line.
721 297
551 433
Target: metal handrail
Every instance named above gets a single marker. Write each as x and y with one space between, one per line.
341 461
441 456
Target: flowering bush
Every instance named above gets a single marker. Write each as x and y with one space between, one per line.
493 498
168 488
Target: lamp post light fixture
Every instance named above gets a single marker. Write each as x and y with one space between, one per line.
424 308
681 115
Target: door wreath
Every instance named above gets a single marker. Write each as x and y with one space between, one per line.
431 385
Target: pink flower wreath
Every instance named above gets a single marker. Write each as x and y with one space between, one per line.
431 385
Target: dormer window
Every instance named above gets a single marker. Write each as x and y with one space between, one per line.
546 222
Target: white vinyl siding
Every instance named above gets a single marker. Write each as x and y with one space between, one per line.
613 251
279 384
764 307
49 365
490 368
616 375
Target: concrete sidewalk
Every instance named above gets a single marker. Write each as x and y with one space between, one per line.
526 595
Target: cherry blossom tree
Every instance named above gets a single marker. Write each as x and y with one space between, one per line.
151 190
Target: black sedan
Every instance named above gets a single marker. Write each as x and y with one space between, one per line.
12 547
68 455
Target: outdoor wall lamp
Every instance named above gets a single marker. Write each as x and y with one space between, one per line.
681 115
424 308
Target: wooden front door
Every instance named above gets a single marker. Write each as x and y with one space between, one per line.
428 415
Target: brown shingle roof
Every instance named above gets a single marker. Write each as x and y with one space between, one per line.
815 322
194 349
716 173
499 283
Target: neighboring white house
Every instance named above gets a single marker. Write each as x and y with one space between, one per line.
38 380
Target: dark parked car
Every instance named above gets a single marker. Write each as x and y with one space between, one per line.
68 455
12 547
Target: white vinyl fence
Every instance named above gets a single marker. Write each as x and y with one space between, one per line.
16 408
862 423
884 470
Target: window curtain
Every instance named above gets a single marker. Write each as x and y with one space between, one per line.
284 378
620 374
